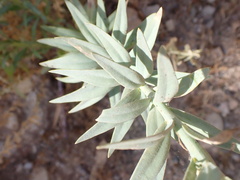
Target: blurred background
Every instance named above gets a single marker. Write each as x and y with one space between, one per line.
37 138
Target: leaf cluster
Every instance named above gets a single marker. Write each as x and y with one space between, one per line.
110 61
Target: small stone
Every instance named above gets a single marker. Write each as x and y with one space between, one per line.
12 122
215 119
217 54
233 104
208 11
150 9
170 25
28 166
210 24
224 109
24 86
39 173
19 168
236 157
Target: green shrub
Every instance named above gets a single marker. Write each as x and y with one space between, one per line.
111 61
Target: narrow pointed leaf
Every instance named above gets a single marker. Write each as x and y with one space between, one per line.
95 77
68 79
167 85
101 18
74 60
85 47
152 161
119 133
80 7
60 31
140 143
95 130
84 104
125 112
221 138
143 62
120 23
81 21
121 130
115 50
210 171
160 175
191 172
115 96
191 81
59 43
152 80
128 97
83 94
149 27
181 75
123 75
111 19
205 129
91 10
154 120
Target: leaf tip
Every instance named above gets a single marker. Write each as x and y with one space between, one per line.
159 13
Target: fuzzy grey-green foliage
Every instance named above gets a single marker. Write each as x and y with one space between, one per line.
108 60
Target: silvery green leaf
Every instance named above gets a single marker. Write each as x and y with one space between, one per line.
96 77
120 23
126 91
167 85
119 133
115 95
81 21
84 104
152 161
84 46
126 77
191 81
129 96
91 10
149 28
205 129
111 18
80 7
141 143
191 172
123 113
83 94
143 61
144 114
60 31
59 43
95 130
73 60
101 18
120 130
152 80
161 173
68 79
154 120
210 171
115 49
221 138
181 75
